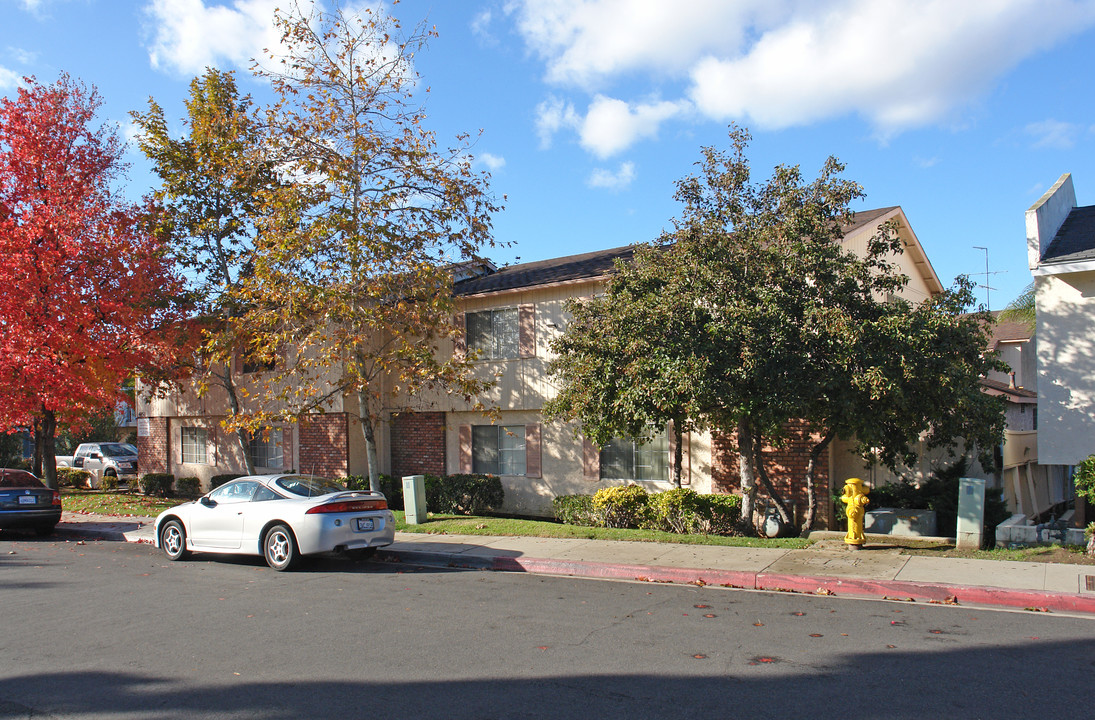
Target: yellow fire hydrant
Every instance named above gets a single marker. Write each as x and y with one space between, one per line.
855 501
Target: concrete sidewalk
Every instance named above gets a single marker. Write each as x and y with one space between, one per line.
827 568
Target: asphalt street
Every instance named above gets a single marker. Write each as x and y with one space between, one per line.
94 629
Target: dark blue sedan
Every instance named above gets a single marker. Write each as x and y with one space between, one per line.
26 503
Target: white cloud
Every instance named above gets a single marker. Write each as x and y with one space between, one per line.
190 35
493 162
1054 134
778 63
9 79
553 115
480 25
612 125
613 180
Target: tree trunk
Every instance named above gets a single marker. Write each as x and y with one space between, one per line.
678 452
38 442
49 456
242 436
369 433
811 495
746 466
762 474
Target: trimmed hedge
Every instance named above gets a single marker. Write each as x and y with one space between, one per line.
576 510
679 510
73 477
158 484
189 486
462 494
217 480
624 506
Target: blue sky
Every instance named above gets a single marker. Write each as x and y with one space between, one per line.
961 111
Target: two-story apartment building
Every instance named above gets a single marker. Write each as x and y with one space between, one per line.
509 316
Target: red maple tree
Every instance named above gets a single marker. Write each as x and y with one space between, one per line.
86 291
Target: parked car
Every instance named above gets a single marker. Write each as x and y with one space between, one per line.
103 460
25 502
280 517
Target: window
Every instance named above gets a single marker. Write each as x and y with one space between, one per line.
234 492
193 445
498 449
494 333
626 459
265 449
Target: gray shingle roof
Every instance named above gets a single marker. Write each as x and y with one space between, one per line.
585 266
1075 241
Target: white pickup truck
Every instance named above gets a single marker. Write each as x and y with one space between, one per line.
102 459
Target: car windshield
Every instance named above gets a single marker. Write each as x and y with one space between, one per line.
18 479
115 449
309 486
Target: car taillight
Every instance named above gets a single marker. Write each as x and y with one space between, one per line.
348 506
56 498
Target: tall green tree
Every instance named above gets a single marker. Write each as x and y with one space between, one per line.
351 296
212 180
627 365
779 323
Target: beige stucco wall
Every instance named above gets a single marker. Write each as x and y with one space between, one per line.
561 463
1020 356
1066 367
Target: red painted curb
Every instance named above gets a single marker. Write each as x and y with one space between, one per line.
930 592
617 571
817 585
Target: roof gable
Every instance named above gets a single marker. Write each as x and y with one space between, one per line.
1075 240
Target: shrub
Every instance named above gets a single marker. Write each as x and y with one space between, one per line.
188 486
158 484
73 477
390 486
722 512
576 510
464 494
217 480
625 506
1084 477
109 482
684 511
677 511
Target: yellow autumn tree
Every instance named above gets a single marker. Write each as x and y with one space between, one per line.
349 301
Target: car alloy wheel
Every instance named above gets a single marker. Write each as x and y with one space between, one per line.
280 548
173 540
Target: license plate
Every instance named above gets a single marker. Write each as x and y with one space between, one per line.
364 524
31 500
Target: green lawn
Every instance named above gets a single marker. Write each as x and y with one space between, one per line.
464 525
114 503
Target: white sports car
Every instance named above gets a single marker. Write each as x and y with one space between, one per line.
280 517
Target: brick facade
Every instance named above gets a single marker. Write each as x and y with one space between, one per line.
786 469
154 450
325 445
418 444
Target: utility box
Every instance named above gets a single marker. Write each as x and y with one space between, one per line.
414 498
971 513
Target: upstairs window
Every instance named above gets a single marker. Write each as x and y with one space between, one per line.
627 459
495 334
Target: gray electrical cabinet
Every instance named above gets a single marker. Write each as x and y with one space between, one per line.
971 513
414 498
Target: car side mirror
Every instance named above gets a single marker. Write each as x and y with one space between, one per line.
95 456
208 501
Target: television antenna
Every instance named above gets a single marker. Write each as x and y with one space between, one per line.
987 274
